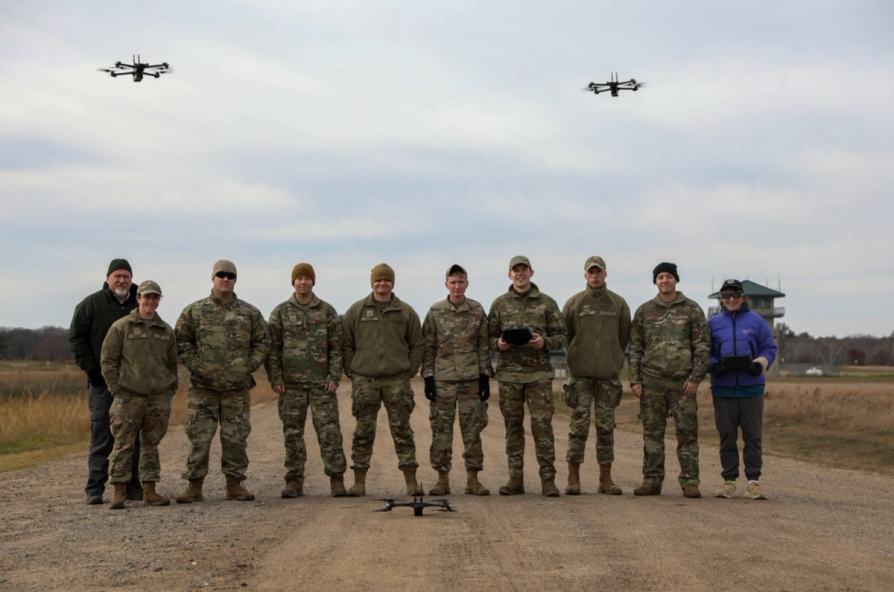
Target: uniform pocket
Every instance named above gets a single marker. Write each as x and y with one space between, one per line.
569 394
613 391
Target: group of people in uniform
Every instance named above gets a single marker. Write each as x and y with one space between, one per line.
131 359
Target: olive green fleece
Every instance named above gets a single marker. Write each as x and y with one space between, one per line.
598 324
140 356
382 344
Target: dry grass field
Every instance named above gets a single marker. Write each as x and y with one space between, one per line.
843 421
44 413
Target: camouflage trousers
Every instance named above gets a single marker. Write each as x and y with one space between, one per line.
367 396
207 408
661 397
293 406
539 395
603 395
131 415
472 420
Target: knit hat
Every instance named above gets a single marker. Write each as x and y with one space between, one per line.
117 264
670 268
305 269
382 271
223 265
519 260
595 261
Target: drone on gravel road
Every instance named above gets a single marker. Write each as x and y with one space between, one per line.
137 69
418 504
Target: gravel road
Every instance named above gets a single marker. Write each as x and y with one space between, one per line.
822 529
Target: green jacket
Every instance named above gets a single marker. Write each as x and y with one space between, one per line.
455 342
140 356
91 321
305 344
222 344
669 341
598 323
538 312
382 345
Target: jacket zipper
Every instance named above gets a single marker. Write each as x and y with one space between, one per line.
735 349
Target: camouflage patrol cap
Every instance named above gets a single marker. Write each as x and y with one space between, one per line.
519 260
595 261
223 265
149 287
455 268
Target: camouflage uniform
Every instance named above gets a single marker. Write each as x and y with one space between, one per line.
139 364
669 344
382 351
456 354
598 322
305 354
221 345
525 373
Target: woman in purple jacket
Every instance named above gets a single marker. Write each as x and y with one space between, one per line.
742 348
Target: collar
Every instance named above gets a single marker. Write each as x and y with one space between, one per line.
314 301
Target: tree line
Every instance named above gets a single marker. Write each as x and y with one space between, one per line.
51 343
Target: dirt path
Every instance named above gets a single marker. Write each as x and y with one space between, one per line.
822 529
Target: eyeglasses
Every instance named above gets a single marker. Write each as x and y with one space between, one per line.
728 295
225 274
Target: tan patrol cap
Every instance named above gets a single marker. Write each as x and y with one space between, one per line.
223 265
519 260
455 268
595 261
148 287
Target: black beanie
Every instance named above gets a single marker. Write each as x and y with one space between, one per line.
670 268
117 264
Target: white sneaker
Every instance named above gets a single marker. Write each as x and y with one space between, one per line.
754 491
727 491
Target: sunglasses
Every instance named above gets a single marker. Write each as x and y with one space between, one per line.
728 295
225 275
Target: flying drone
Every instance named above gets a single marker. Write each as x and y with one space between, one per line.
137 69
614 86
418 504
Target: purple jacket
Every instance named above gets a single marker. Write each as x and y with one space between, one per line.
738 333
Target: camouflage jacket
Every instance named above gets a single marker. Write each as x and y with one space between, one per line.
305 344
222 344
538 312
140 356
669 341
455 342
382 345
598 323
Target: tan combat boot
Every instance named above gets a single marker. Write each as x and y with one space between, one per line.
119 496
193 493
549 488
516 486
337 485
413 487
691 491
235 491
294 488
573 479
150 498
474 486
442 487
606 485
359 487
647 489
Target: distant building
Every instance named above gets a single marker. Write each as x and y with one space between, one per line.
763 302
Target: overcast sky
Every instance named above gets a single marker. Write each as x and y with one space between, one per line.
347 133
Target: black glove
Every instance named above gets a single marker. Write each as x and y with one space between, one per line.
430 388
718 370
755 369
94 377
484 387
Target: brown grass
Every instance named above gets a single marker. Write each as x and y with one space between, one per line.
51 424
836 424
